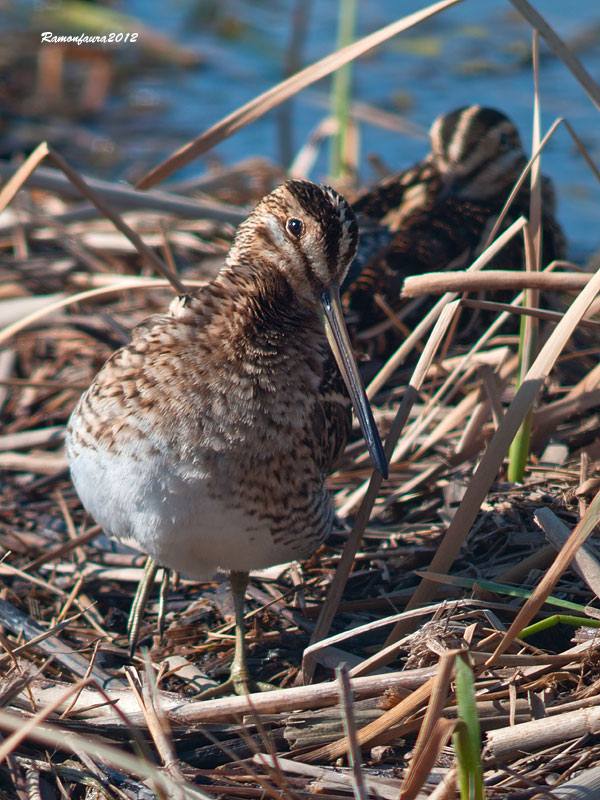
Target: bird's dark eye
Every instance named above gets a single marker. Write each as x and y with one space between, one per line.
504 143
295 227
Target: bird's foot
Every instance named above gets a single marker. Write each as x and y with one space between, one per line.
239 682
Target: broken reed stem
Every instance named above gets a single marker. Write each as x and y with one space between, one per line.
491 461
493 280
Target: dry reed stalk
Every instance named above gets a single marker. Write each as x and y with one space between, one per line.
533 604
454 415
434 732
26 728
583 786
52 735
334 595
452 382
488 467
64 549
584 562
540 313
15 182
538 734
446 789
347 711
49 644
579 398
283 91
317 695
428 321
369 627
42 464
117 221
308 154
380 731
534 262
41 437
328 778
126 198
148 698
582 149
565 54
492 280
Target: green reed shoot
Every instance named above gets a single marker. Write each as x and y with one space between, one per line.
467 736
341 90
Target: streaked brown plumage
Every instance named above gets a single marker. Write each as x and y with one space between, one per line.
439 213
206 440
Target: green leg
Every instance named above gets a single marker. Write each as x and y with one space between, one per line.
239 668
139 603
239 679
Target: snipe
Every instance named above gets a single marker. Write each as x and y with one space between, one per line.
439 213
206 441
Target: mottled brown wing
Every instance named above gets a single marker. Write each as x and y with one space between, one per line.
448 235
430 241
396 193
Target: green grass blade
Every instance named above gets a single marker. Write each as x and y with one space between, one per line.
558 619
519 448
499 588
467 737
340 90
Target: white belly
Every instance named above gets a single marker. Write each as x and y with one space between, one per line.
167 512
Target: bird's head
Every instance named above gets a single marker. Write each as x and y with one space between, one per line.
308 234
477 151
307 231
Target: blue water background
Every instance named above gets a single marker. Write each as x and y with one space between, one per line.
475 52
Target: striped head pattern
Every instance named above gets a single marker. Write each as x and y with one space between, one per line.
478 150
306 231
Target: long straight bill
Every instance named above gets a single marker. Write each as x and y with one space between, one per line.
337 336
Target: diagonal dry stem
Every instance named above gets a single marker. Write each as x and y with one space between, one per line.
381 730
492 459
14 183
550 578
283 91
434 731
347 709
117 221
53 735
421 329
556 44
15 739
334 595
